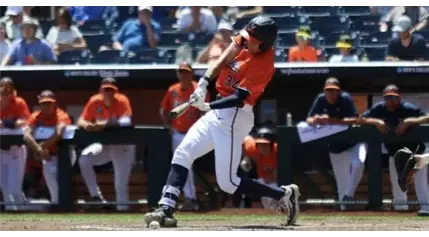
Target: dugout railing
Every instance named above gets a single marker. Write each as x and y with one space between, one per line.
288 140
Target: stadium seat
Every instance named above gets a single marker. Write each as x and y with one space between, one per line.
95 41
377 39
274 11
318 10
126 13
111 57
74 57
425 34
202 39
329 20
331 39
93 27
375 53
168 25
354 10
150 56
280 55
286 24
45 26
286 39
365 24
240 23
324 31
176 39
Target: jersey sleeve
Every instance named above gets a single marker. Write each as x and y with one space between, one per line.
23 111
88 112
125 107
374 112
166 102
64 118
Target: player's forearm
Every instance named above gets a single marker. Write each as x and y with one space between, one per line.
54 139
420 26
344 121
367 121
29 140
83 123
418 121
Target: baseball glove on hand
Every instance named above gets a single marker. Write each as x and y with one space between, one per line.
405 167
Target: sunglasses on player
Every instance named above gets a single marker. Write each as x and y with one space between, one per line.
391 97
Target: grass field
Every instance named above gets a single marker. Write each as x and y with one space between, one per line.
213 221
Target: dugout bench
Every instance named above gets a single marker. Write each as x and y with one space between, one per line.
288 139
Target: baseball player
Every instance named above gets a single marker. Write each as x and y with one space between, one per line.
334 106
49 115
393 113
14 113
263 150
177 94
244 70
106 109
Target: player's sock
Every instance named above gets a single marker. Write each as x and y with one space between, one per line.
175 182
256 188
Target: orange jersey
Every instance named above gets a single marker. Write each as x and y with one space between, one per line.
96 111
36 119
176 96
246 71
16 109
309 54
265 164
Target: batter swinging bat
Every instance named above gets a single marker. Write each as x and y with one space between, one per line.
181 109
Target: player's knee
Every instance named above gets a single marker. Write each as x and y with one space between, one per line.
181 157
226 184
357 164
83 161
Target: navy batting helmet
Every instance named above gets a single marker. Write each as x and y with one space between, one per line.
265 135
261 29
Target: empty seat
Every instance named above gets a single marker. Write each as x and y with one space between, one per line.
126 13
242 22
95 41
94 27
318 10
176 39
280 55
150 56
324 31
168 25
286 39
74 57
375 53
425 34
111 57
331 39
377 39
365 24
202 39
280 10
354 10
290 23
45 26
329 20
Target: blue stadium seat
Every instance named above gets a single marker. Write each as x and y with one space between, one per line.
151 56
286 39
375 53
377 39
177 39
354 10
111 57
126 13
329 51
168 25
331 39
45 26
425 34
318 10
94 27
329 20
280 55
324 31
280 10
240 23
365 24
95 41
290 23
202 39
74 57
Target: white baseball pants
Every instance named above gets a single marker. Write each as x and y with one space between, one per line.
122 157
421 186
267 202
224 131
12 170
50 172
189 190
348 169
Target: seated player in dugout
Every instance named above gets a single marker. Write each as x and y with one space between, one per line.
49 115
334 106
108 108
262 149
177 94
303 51
14 113
393 115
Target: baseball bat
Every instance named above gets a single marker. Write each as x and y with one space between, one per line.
181 109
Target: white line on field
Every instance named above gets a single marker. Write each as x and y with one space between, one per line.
105 228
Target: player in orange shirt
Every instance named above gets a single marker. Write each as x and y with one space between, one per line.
49 115
106 109
303 51
177 94
244 70
262 148
14 113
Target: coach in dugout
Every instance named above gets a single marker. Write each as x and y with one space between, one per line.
334 106
394 113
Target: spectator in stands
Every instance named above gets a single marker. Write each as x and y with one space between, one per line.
218 11
393 113
4 41
29 50
139 33
219 43
13 20
418 16
303 51
408 46
196 20
336 107
345 46
244 12
80 14
27 10
64 36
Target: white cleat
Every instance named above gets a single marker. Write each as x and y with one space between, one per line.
289 203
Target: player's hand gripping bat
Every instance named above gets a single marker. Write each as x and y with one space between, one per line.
181 109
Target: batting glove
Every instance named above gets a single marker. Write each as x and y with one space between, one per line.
198 102
201 90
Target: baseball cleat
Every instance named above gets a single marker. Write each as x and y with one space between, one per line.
289 203
160 215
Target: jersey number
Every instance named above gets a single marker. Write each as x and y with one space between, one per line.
231 82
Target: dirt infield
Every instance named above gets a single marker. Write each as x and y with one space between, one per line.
228 219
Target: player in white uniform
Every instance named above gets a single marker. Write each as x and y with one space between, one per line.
243 71
106 109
